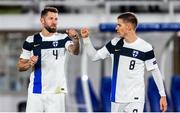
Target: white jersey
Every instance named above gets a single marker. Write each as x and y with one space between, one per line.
48 75
128 63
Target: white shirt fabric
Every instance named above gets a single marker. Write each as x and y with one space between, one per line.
49 75
128 65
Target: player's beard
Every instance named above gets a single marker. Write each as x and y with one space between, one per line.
50 29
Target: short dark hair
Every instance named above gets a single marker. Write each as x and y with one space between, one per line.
48 9
129 17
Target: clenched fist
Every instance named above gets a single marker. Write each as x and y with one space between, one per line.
85 32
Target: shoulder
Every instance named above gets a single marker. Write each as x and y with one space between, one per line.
61 35
145 45
115 40
30 39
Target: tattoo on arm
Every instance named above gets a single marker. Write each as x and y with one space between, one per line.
23 65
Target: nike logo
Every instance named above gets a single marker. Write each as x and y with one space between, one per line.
36 45
117 49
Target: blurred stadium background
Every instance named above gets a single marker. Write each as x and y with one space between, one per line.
159 25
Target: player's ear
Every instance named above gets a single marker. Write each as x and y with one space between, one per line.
129 26
42 20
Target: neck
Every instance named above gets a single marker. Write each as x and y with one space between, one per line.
46 33
131 37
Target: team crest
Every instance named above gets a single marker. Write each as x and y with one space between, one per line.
55 43
135 53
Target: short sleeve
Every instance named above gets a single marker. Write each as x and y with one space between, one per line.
27 48
109 47
25 54
68 42
150 60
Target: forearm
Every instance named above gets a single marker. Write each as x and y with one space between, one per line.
76 47
23 66
159 81
90 50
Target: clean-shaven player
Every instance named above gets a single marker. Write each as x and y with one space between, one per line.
44 53
130 55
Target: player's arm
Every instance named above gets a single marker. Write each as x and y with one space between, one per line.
26 60
159 82
73 48
25 64
151 65
91 51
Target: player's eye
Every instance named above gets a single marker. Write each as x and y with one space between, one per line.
118 25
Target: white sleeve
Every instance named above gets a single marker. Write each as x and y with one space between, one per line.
92 52
69 42
27 48
158 80
25 54
150 60
151 64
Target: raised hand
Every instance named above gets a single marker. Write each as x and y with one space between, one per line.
72 33
85 32
73 48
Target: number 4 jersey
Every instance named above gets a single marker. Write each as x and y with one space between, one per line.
48 75
128 63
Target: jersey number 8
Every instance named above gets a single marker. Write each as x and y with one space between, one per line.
132 64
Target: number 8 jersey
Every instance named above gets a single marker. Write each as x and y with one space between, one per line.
48 75
128 64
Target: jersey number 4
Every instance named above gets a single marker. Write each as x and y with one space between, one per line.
55 53
132 64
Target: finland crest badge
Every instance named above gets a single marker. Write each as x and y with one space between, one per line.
55 43
135 53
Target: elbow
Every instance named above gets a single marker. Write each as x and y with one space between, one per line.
18 66
19 69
